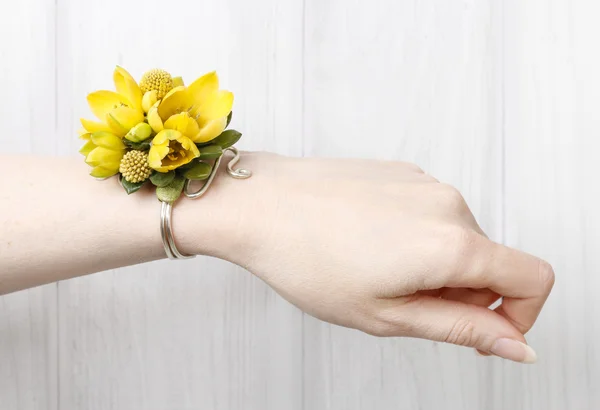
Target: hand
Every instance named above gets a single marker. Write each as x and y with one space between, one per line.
385 248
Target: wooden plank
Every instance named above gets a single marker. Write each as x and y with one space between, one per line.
28 352
420 82
203 333
552 94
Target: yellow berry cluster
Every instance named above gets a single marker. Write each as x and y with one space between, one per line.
134 166
158 80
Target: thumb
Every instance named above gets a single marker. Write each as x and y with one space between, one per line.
458 323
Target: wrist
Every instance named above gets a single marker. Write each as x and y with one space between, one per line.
225 222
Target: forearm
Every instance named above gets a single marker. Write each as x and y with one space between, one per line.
377 246
58 223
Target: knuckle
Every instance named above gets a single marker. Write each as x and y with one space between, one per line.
462 333
546 274
462 244
451 198
417 169
408 166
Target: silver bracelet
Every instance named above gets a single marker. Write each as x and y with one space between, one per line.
166 213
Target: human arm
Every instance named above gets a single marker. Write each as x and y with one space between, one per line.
376 246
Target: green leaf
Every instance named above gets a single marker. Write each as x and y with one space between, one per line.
187 166
140 146
171 192
229 117
131 187
227 139
199 172
162 179
210 152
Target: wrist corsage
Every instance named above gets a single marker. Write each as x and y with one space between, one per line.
163 133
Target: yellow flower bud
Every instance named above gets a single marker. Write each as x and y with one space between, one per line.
139 133
150 98
103 152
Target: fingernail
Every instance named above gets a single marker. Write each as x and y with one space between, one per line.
514 350
480 353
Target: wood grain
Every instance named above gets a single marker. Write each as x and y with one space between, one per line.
552 196
496 98
28 326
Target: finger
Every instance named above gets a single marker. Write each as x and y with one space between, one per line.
523 280
432 292
478 297
453 322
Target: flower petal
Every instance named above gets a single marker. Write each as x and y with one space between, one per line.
102 172
156 154
183 123
172 135
189 145
217 105
93 126
178 82
128 87
154 119
149 99
123 119
194 151
102 102
108 140
159 158
162 138
101 156
176 101
211 130
203 87
87 148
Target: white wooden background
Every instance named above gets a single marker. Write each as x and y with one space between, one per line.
501 99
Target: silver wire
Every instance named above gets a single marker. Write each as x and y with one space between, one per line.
166 214
239 173
167 233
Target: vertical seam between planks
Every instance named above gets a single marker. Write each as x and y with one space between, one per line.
503 202
303 79
57 302
303 152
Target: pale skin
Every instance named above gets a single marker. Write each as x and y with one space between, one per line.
377 246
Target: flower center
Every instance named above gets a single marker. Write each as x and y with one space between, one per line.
176 151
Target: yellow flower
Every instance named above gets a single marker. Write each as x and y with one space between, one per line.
171 149
199 111
118 111
103 152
